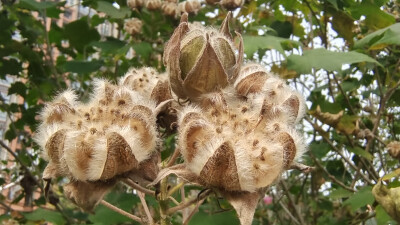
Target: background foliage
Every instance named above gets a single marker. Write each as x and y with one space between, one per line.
344 55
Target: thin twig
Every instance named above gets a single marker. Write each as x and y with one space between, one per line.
290 197
193 212
319 130
188 203
146 208
173 157
136 186
333 178
289 213
120 211
26 169
175 188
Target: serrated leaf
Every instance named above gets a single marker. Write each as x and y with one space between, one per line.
375 17
253 43
324 59
81 67
361 152
360 199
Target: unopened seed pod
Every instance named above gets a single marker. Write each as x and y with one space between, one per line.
189 6
200 60
134 4
212 2
153 4
148 82
133 26
232 4
169 8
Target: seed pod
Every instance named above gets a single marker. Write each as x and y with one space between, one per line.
212 2
229 146
134 4
87 194
169 8
200 60
148 82
133 26
153 4
251 79
232 4
189 6
394 149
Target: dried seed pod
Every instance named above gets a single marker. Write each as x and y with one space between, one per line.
189 6
134 4
229 146
251 79
200 60
213 2
394 149
152 4
133 26
148 82
87 194
232 4
169 8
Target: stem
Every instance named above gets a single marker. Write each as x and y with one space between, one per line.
175 189
136 186
164 220
290 197
146 208
333 178
193 211
188 203
120 211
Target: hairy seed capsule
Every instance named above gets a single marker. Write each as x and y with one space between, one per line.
200 60
133 26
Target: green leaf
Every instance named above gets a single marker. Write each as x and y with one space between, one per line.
350 85
340 193
35 5
319 149
17 88
224 218
360 199
81 67
284 29
253 43
109 9
323 59
143 48
381 38
375 17
41 214
109 46
80 34
361 152
104 215
382 217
